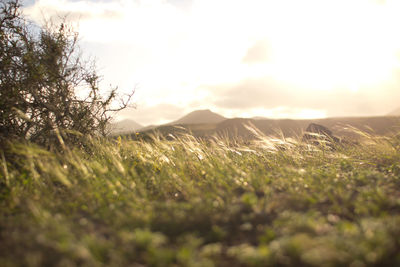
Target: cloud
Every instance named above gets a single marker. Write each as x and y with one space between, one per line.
184 4
74 11
251 93
242 57
28 2
138 22
258 53
157 114
267 94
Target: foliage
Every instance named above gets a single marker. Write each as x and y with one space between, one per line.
184 202
41 72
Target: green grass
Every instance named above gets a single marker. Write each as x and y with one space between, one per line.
190 203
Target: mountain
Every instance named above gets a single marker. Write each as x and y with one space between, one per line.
238 128
259 118
394 112
199 117
125 126
148 128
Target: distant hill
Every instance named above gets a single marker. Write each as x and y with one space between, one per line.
295 128
148 127
259 118
236 127
199 117
394 112
125 126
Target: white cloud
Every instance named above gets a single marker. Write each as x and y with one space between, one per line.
186 54
157 114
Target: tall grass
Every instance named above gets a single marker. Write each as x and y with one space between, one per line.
187 202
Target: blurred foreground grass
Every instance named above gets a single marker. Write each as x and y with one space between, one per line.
184 202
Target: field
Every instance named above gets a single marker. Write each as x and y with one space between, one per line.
185 202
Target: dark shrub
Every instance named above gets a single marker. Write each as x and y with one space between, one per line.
40 73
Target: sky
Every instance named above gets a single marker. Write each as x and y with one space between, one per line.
243 58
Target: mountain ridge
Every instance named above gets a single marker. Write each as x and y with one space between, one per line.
239 127
199 117
125 126
395 112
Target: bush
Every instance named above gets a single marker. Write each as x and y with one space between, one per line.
41 72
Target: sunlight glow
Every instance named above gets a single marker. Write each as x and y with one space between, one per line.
280 113
309 46
337 47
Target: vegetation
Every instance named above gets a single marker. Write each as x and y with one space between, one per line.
235 127
185 202
41 76
176 201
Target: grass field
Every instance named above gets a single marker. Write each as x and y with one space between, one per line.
185 202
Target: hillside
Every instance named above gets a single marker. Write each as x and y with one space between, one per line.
125 126
238 127
199 117
395 112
